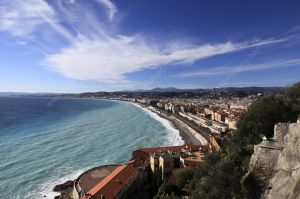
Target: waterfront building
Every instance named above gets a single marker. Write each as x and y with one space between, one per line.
193 161
164 162
168 161
121 182
147 164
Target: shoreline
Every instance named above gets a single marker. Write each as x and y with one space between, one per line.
174 132
188 135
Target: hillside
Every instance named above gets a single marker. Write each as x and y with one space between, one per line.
274 169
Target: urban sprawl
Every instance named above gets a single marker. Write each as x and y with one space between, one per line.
206 117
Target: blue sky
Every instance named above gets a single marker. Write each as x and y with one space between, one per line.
96 45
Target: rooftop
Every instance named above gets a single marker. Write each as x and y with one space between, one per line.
111 185
92 177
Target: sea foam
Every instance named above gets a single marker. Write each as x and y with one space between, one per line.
174 137
45 190
50 146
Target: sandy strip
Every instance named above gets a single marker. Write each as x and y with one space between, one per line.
188 134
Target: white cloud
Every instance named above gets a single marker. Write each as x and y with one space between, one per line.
110 7
111 58
21 17
236 69
96 53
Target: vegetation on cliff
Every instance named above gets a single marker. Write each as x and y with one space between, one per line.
220 176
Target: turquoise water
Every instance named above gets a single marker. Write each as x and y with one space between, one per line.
46 141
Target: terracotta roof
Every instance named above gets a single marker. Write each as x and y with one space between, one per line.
170 148
108 178
161 149
110 186
144 154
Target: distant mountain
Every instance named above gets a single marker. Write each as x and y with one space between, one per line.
157 90
168 89
252 89
246 89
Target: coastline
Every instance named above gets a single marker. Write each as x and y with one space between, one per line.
185 132
189 135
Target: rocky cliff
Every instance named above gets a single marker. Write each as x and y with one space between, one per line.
274 169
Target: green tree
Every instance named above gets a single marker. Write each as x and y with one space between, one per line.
183 176
293 97
172 196
221 173
262 115
167 189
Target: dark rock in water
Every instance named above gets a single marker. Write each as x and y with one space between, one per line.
64 186
67 194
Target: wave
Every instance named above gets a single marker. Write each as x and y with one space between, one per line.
59 138
45 190
174 137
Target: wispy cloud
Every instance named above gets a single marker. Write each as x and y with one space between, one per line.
263 82
110 7
236 69
22 17
111 58
96 53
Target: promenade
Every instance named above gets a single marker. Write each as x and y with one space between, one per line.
188 134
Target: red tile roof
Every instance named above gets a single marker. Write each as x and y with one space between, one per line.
144 154
112 184
107 179
161 149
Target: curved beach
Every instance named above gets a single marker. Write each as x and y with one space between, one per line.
71 136
188 134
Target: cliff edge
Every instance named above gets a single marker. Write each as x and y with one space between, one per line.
274 168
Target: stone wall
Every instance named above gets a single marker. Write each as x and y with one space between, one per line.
285 183
274 169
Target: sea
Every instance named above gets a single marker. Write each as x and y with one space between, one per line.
47 141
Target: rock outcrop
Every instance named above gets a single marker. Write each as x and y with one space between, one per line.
274 169
64 186
65 190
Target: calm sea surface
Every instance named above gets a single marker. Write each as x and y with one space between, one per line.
45 141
